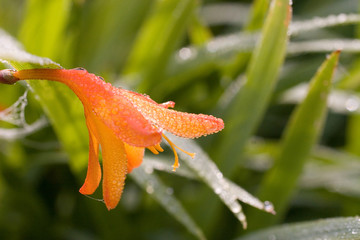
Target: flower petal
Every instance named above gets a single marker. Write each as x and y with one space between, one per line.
93 175
187 125
114 163
134 155
106 101
114 169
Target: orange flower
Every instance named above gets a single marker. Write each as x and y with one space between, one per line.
122 122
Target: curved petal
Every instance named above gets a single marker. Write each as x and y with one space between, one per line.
93 175
134 155
114 163
187 125
106 101
120 115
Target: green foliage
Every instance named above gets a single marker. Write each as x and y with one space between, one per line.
289 138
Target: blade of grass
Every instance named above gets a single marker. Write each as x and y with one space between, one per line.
59 103
192 62
257 16
330 229
189 63
351 82
241 118
48 18
157 41
300 136
106 31
155 187
247 108
199 33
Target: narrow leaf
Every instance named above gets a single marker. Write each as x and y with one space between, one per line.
300 136
150 55
61 106
156 188
48 18
248 107
228 192
11 50
329 229
106 33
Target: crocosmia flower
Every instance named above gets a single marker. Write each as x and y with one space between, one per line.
123 122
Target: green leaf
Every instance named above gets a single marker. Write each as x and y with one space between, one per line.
258 14
156 188
248 107
329 229
229 193
106 32
58 101
157 41
199 34
48 18
300 136
256 21
11 50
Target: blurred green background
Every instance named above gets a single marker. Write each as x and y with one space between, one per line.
286 141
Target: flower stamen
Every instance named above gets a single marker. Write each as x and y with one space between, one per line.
173 146
156 149
153 150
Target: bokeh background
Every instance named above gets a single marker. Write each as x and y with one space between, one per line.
227 58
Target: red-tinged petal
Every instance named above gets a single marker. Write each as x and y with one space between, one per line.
93 175
182 124
106 101
169 104
114 163
134 155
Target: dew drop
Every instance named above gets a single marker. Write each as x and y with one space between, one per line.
235 208
219 175
150 189
185 53
79 68
269 207
352 104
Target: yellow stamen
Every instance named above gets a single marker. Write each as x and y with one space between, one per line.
153 150
158 147
173 146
